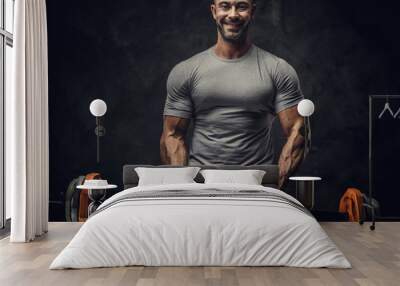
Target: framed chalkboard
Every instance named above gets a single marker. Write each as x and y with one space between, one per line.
384 153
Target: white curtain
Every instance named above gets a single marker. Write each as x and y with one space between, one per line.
27 124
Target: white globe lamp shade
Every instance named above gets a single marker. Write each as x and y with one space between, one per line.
305 107
98 107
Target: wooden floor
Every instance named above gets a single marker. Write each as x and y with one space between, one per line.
375 257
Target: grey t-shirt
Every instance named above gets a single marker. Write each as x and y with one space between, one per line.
232 104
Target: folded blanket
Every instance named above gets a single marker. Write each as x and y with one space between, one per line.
204 194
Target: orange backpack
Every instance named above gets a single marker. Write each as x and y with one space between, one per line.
352 204
84 199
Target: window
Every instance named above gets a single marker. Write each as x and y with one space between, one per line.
6 62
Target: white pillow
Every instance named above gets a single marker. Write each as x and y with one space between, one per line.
163 176
248 177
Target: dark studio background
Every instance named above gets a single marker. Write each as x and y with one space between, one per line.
122 51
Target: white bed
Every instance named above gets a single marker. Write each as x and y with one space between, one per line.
239 229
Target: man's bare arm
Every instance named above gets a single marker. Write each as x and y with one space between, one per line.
172 143
292 153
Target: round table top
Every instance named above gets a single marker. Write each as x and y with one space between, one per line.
96 187
305 178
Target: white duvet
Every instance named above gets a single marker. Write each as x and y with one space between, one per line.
200 231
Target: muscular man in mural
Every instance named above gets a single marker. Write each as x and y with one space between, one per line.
232 92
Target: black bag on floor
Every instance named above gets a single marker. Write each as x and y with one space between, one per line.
374 203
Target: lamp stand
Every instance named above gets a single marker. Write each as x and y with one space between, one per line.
307 136
99 131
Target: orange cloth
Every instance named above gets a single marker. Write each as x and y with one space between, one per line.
351 203
84 199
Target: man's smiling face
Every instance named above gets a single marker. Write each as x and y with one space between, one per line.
233 18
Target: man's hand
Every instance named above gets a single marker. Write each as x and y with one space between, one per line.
172 143
292 153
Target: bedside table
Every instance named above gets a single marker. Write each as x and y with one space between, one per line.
96 194
305 190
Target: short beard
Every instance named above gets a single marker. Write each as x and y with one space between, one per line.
239 38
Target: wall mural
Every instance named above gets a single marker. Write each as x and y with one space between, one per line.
139 57
232 93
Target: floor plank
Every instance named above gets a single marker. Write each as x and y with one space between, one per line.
375 257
